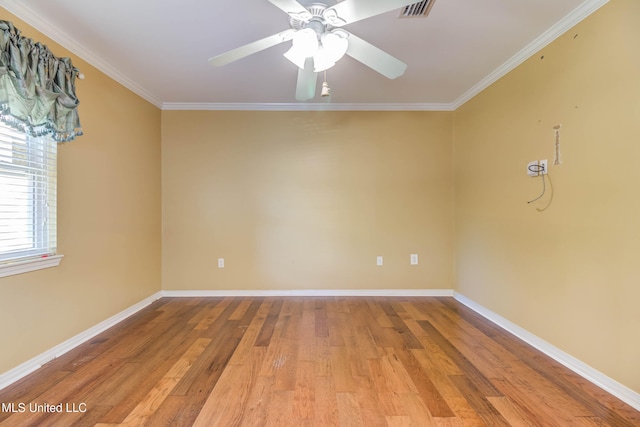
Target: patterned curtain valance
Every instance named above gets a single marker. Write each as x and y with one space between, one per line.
37 90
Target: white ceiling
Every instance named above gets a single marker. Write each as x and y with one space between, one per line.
160 48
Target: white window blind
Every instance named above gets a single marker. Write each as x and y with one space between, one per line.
27 195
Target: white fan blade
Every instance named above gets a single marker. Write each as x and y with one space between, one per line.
307 79
350 11
293 8
251 48
375 58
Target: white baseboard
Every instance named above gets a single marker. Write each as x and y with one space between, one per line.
314 293
29 366
606 383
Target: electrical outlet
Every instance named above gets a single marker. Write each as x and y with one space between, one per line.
413 259
379 260
542 166
220 262
533 168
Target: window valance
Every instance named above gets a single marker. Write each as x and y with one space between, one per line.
37 89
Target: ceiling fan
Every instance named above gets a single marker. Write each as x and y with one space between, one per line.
318 40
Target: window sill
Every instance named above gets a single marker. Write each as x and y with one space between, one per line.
24 266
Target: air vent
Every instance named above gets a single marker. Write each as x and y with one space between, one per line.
417 10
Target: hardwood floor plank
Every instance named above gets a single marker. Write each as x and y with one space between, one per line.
437 376
238 381
378 313
417 411
190 356
321 326
413 311
304 395
349 410
206 371
478 401
245 346
399 421
222 322
258 402
321 361
512 413
399 326
439 358
582 391
337 319
161 390
175 411
249 314
396 376
593 422
209 315
326 404
150 403
279 413
464 412
387 396
323 357
369 402
307 347
205 304
469 370
531 406
30 387
425 388
341 370
292 315
286 365
241 309
89 418
133 384
383 336
264 337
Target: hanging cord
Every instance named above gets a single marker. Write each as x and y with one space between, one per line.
539 169
550 197
544 188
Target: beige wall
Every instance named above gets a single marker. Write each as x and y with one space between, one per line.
306 200
570 274
108 222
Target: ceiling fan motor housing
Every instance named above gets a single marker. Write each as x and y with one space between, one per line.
317 22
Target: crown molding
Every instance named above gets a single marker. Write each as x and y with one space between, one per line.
40 23
562 26
304 107
19 9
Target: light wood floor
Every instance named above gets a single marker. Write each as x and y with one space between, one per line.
308 361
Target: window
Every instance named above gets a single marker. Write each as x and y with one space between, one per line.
27 196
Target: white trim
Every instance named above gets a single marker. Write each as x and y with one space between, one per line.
313 293
40 23
13 375
303 107
606 383
562 26
31 264
19 9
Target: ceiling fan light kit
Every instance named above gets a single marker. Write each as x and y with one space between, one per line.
318 42
304 45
